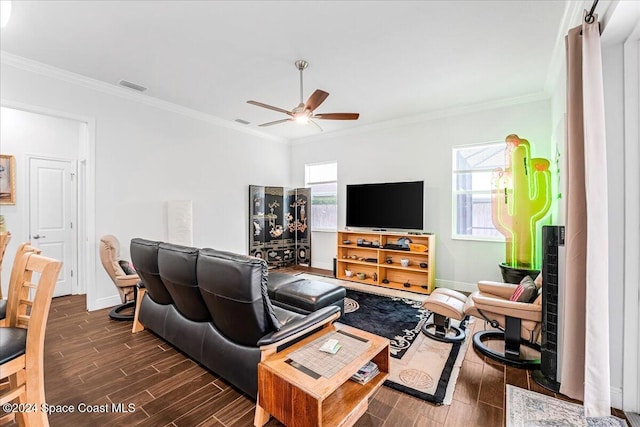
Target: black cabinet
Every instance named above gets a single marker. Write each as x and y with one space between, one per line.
279 225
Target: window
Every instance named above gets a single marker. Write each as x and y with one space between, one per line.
472 169
322 178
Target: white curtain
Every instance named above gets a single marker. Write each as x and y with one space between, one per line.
597 388
585 361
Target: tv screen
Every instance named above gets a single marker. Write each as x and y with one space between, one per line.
388 205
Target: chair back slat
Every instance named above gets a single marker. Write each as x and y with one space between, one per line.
49 270
19 264
33 297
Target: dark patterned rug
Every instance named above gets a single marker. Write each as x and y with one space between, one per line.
421 367
397 319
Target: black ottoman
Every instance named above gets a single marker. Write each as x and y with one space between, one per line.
277 280
306 296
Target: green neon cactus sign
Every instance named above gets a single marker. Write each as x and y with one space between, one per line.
521 196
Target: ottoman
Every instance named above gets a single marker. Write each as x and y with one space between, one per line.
277 280
306 296
445 304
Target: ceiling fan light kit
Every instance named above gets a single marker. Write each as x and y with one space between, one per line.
304 112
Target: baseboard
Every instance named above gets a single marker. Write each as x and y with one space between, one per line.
105 302
456 286
616 397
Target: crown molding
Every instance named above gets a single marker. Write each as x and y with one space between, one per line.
423 117
29 65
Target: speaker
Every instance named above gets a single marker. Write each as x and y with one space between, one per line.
335 267
552 307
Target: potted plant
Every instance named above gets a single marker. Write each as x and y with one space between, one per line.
521 196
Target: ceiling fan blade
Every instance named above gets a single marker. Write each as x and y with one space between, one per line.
315 99
275 123
269 107
337 116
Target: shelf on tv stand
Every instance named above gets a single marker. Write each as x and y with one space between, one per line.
421 280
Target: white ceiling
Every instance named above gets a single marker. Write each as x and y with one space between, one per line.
383 59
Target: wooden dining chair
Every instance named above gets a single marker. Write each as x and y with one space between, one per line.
5 238
22 339
22 249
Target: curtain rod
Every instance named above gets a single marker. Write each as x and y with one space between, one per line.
589 18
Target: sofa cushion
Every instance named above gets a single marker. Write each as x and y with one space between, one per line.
144 255
286 316
177 266
234 288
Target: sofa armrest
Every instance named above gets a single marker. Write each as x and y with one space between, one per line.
503 290
128 280
299 327
521 310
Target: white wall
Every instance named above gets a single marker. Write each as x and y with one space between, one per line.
145 156
422 151
612 60
23 134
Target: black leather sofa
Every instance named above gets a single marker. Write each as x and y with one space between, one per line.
215 306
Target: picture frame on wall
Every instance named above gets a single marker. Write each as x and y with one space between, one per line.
7 179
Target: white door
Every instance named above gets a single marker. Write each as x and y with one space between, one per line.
52 215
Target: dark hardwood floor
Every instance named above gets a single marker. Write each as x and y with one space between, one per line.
94 360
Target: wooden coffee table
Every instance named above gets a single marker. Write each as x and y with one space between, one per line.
299 399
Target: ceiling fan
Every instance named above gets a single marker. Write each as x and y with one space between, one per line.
304 112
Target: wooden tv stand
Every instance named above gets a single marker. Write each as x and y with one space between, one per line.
352 257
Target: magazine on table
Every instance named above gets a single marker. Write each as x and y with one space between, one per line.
366 373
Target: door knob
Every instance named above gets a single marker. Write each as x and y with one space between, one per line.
37 236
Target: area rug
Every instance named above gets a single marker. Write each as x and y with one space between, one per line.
530 409
421 367
398 319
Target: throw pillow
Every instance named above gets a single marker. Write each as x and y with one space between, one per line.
526 291
127 267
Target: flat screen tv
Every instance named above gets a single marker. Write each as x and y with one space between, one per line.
387 205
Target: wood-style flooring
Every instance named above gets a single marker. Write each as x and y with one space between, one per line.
93 360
